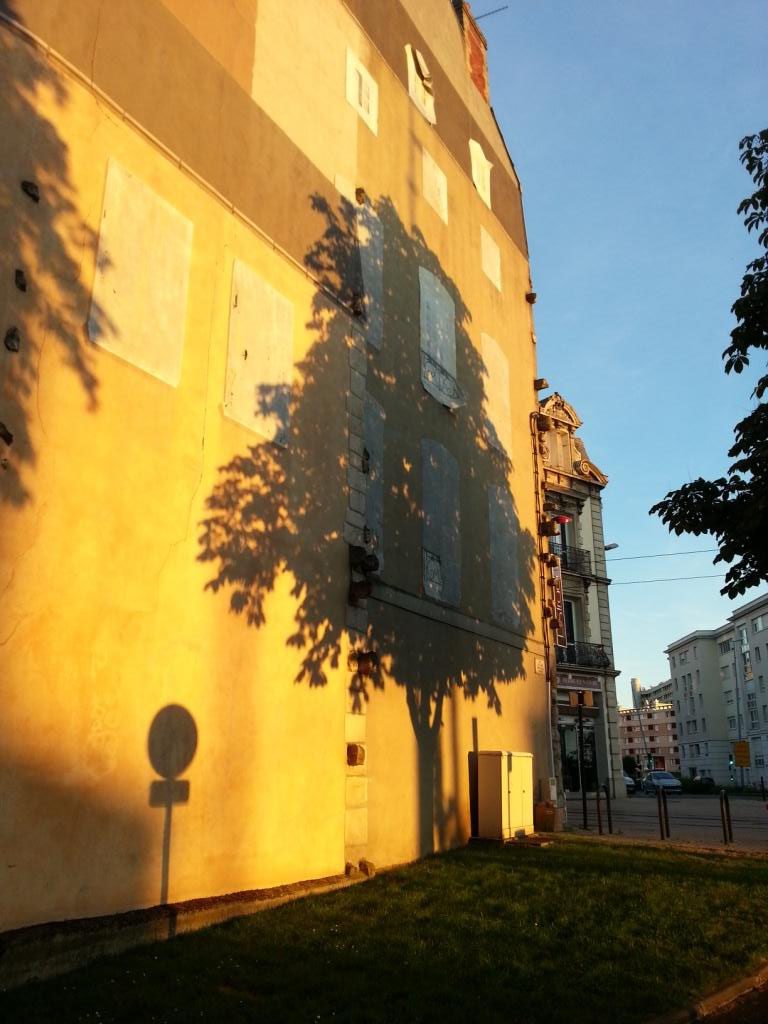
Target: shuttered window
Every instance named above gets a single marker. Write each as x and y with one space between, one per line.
504 535
420 86
438 341
441 523
362 92
481 171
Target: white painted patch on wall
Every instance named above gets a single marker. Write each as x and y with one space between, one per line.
498 423
434 185
490 258
362 91
481 171
139 299
257 392
504 534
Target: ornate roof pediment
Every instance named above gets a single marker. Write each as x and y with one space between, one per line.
557 407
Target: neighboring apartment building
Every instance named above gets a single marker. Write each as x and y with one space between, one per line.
271 539
648 735
648 694
573 486
720 694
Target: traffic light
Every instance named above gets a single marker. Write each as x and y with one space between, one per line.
731 760
650 761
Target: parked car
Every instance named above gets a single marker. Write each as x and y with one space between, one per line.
629 782
704 784
661 780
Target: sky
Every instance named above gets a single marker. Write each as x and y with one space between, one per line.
623 119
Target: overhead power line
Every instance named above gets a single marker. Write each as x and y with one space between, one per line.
487 14
667 554
669 579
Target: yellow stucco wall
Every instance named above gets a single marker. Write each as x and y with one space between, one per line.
108 616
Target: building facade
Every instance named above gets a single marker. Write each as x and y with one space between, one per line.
648 735
641 695
573 486
272 539
721 697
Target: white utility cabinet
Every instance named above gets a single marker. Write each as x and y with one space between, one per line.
504 794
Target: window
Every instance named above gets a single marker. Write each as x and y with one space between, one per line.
420 85
731 722
758 655
758 624
728 694
695 655
440 532
725 646
257 392
743 638
438 341
362 92
703 725
759 760
725 671
672 661
747 661
683 657
434 185
765 712
676 686
761 684
490 258
701 700
481 171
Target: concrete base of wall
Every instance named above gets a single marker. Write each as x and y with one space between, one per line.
44 950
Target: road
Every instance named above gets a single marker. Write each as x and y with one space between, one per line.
694 819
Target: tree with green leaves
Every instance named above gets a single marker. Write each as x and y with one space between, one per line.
734 508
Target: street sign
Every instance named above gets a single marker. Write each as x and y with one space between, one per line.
741 753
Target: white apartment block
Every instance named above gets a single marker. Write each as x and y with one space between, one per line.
720 695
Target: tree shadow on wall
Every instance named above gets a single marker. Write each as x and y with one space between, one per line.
276 510
44 239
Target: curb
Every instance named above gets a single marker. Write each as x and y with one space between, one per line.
711 1004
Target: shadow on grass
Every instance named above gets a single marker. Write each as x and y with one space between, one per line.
523 935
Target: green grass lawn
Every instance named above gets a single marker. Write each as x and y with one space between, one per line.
577 931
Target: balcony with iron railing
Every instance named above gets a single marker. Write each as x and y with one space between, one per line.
583 655
577 560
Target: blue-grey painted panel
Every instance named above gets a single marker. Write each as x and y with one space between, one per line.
370 237
373 424
441 525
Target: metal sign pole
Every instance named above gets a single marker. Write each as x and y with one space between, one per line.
582 773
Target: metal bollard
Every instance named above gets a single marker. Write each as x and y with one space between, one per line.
607 789
661 815
666 810
599 814
722 816
728 817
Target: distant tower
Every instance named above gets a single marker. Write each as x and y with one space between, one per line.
636 699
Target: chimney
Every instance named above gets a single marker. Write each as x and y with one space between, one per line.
475 47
